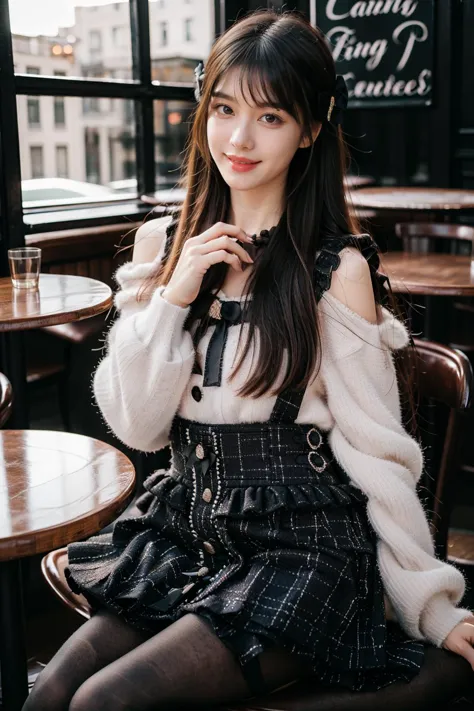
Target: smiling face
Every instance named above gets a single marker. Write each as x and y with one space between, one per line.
236 126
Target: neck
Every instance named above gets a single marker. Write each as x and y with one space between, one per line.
256 210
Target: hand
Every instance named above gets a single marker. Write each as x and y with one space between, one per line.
461 639
217 244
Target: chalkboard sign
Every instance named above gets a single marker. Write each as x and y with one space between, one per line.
383 48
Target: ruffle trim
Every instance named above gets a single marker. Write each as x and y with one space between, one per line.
329 260
252 501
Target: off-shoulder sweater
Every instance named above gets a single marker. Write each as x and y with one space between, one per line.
145 379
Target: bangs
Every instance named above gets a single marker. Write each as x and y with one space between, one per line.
266 83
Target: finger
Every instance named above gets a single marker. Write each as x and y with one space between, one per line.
222 228
223 256
466 650
227 243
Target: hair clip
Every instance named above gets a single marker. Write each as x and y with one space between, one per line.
198 80
332 104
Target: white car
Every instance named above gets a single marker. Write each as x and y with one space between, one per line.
62 191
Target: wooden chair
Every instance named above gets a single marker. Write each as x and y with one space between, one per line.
457 239
425 236
6 399
446 376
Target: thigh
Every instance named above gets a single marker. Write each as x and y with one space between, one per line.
98 642
184 666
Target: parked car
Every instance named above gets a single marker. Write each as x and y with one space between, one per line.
59 191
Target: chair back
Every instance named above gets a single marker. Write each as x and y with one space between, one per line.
443 375
6 399
428 237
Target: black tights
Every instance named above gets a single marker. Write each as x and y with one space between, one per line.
106 664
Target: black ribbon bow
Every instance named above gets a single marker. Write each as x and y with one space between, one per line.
223 314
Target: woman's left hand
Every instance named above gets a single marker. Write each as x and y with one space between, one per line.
461 639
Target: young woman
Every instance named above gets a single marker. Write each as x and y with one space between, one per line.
254 337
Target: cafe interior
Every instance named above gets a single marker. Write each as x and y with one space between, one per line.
95 100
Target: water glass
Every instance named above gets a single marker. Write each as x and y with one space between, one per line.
25 264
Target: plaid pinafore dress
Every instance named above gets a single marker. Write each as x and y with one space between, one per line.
258 529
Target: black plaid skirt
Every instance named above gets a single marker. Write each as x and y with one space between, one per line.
256 528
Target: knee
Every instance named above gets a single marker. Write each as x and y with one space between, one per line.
46 695
95 695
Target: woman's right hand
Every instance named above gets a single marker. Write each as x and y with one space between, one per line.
216 244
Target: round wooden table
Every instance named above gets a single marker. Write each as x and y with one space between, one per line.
176 196
429 274
59 299
55 487
413 199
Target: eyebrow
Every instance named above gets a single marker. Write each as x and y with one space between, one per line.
223 95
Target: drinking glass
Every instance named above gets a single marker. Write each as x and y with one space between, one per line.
25 263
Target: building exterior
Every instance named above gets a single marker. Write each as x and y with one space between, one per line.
95 142
48 126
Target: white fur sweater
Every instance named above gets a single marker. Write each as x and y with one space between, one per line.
145 379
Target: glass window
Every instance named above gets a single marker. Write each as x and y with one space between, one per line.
188 29
36 161
176 38
171 121
95 40
62 165
93 152
81 38
33 104
59 111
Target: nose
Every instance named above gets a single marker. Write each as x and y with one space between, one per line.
241 136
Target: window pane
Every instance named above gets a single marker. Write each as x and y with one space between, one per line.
172 120
81 38
77 154
181 33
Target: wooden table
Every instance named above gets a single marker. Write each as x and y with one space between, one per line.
414 199
55 487
59 299
176 196
429 274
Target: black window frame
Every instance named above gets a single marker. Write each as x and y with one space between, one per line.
15 221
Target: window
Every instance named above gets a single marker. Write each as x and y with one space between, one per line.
91 105
95 40
62 166
33 104
36 161
163 34
59 111
89 138
188 25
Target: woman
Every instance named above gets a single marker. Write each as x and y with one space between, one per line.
254 337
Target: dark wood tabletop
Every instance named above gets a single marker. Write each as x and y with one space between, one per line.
175 196
429 274
58 299
423 199
57 487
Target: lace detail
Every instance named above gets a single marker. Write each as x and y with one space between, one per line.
329 259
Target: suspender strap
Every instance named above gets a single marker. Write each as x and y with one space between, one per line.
287 406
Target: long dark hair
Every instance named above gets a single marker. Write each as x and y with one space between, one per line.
281 59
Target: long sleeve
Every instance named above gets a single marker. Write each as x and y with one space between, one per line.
149 357
385 462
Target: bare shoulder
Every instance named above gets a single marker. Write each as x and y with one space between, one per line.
351 284
149 239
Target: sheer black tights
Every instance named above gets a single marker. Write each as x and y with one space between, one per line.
106 664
